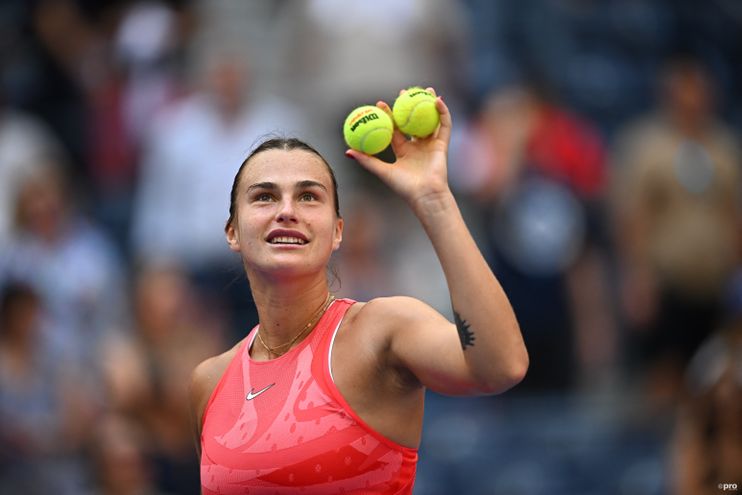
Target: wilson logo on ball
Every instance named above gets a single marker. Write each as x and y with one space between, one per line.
365 119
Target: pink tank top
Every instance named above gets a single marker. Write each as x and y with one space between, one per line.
282 426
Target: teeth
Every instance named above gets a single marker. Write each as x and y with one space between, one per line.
287 240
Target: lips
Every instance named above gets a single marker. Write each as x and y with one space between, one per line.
282 236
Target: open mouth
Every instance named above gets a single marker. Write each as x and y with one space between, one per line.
287 240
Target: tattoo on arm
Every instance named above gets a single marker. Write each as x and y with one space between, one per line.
466 335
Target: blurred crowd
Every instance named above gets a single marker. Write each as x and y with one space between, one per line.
596 157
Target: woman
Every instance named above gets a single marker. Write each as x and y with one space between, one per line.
326 396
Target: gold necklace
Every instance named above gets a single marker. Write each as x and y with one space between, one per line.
312 321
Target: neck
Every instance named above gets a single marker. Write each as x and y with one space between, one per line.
689 124
284 309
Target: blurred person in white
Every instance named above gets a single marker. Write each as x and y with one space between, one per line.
68 260
144 368
187 167
43 412
341 53
25 145
137 79
535 173
352 49
677 200
149 45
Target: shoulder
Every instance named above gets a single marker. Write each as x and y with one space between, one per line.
394 313
211 370
205 378
637 133
397 305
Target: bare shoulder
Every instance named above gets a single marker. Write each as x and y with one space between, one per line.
206 376
397 309
391 314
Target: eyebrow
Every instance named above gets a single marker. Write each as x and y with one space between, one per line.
310 183
262 185
302 184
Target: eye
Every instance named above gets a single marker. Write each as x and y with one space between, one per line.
307 196
263 197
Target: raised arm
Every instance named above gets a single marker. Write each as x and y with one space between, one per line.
483 350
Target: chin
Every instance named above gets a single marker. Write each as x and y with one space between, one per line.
287 269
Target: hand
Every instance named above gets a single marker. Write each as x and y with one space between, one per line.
420 171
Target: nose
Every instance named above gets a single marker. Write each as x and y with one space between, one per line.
286 212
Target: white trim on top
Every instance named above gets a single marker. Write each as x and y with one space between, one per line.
252 340
329 352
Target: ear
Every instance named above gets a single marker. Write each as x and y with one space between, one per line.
232 238
338 234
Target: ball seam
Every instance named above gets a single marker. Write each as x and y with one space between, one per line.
409 115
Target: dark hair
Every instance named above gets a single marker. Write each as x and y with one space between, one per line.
285 144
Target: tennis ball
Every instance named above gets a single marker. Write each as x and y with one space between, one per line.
415 113
368 129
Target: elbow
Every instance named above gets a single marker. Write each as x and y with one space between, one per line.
519 370
506 378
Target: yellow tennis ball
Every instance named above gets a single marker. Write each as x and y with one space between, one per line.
415 113
368 129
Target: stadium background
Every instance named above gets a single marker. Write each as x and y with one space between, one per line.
584 132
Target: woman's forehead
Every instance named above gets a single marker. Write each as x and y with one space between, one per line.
286 166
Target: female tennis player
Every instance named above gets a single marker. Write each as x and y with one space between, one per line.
326 395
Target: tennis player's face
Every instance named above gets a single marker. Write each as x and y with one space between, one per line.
286 223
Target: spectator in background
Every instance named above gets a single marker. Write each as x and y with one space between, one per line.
144 369
119 449
68 261
536 173
677 199
361 269
26 144
150 44
59 51
43 411
187 165
142 76
96 72
707 443
339 54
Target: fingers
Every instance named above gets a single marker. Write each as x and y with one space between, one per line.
397 137
370 163
384 106
444 130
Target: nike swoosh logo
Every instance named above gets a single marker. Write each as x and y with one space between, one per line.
252 394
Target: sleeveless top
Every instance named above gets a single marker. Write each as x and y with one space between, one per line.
282 426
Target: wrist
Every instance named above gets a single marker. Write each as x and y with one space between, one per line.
434 204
